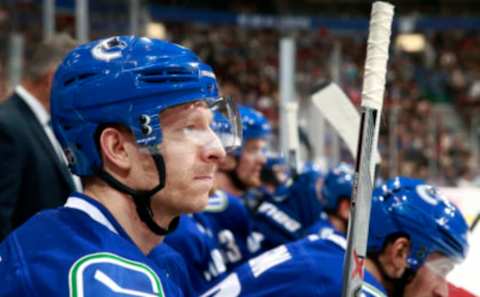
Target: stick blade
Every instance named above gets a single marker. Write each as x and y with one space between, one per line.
335 106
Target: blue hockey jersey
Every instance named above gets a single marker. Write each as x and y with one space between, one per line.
196 242
174 265
308 267
78 250
231 222
214 241
285 215
323 227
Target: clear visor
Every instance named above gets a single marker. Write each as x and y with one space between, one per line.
441 265
431 277
212 124
192 146
226 123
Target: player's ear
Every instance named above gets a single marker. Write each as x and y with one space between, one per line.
114 144
343 210
398 253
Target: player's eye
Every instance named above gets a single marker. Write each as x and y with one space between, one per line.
189 128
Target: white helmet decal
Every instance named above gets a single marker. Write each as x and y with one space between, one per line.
108 49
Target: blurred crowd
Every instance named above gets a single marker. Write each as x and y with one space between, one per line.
426 144
413 129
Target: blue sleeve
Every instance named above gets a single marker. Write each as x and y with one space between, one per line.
279 272
15 280
276 223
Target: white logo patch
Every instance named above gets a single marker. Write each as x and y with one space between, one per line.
108 49
106 274
427 194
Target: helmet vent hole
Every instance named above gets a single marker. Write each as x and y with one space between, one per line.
85 75
80 77
68 81
168 75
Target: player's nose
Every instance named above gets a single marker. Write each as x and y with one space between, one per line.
213 150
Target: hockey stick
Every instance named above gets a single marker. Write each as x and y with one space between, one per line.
334 105
291 111
288 106
372 101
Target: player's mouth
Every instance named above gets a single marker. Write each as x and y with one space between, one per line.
204 180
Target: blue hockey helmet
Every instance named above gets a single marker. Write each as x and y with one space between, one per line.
398 182
303 197
312 166
123 80
254 124
416 210
338 183
275 159
275 170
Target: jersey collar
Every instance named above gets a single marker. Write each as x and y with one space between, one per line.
96 211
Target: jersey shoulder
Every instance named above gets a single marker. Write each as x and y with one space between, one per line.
371 287
63 252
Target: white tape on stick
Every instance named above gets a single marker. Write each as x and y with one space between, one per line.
377 55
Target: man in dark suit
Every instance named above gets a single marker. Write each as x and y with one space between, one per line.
33 170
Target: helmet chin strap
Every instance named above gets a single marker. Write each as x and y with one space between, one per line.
143 199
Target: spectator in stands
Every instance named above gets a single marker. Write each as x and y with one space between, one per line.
34 174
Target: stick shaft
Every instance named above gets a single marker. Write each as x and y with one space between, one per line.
372 101
360 210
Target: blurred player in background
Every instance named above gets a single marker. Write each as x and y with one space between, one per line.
241 169
416 237
335 197
285 214
134 117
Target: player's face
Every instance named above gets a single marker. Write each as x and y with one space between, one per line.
430 279
251 162
191 151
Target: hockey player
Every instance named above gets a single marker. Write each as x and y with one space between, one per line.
285 215
133 116
239 172
415 238
217 239
276 220
335 198
241 169
275 174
